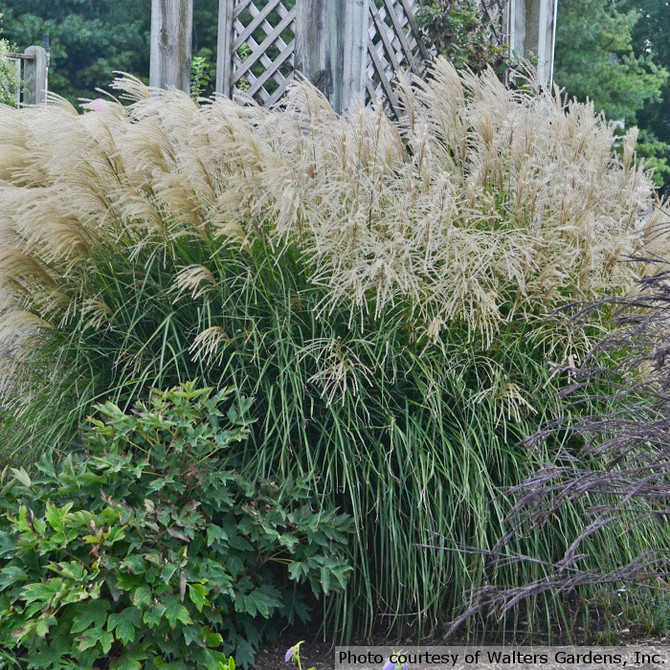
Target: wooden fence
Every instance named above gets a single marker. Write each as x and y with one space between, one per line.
394 43
31 75
347 48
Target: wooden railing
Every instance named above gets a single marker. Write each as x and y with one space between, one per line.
31 75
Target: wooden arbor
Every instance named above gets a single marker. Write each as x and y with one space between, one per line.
347 48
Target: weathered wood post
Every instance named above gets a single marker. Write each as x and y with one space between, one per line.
171 39
224 48
34 76
532 29
331 47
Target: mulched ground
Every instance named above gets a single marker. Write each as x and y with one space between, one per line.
315 653
320 655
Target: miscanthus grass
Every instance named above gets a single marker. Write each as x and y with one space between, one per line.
378 287
616 465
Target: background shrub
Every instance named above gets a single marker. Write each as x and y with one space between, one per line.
8 79
150 550
378 287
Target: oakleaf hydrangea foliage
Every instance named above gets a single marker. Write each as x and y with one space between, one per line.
150 550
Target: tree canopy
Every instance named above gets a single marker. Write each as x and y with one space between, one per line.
8 77
652 30
617 53
597 58
90 39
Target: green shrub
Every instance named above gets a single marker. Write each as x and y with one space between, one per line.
460 30
200 78
8 78
150 550
378 287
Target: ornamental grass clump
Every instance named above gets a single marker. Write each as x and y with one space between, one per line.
617 460
378 287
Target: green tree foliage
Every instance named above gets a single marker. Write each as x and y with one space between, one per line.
8 81
615 52
205 28
89 39
596 58
652 32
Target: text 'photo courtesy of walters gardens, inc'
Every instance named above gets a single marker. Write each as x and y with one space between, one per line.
647 656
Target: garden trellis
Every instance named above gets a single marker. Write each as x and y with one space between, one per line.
347 48
259 53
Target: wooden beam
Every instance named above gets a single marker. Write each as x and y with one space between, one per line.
312 25
532 29
331 47
354 53
171 40
224 48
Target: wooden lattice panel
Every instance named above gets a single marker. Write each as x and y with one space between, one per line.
263 48
493 17
395 43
